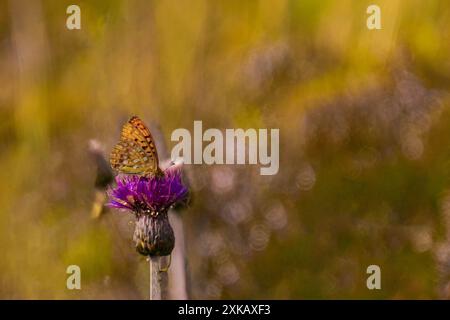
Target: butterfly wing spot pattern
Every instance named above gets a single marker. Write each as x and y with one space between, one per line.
136 151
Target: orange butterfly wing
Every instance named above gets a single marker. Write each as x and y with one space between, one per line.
136 151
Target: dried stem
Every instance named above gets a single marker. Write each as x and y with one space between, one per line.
155 279
178 288
159 289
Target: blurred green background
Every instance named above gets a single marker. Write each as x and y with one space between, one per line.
364 119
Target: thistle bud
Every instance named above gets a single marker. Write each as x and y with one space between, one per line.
153 235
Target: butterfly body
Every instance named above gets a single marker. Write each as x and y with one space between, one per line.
136 152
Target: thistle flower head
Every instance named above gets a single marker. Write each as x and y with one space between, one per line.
148 195
149 198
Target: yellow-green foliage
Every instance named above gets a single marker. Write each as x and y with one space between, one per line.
363 118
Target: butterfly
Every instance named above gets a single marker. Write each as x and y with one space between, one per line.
136 151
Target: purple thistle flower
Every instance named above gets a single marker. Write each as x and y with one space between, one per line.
149 198
148 195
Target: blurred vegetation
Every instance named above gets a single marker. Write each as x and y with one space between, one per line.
364 120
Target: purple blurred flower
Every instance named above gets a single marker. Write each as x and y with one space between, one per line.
148 195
